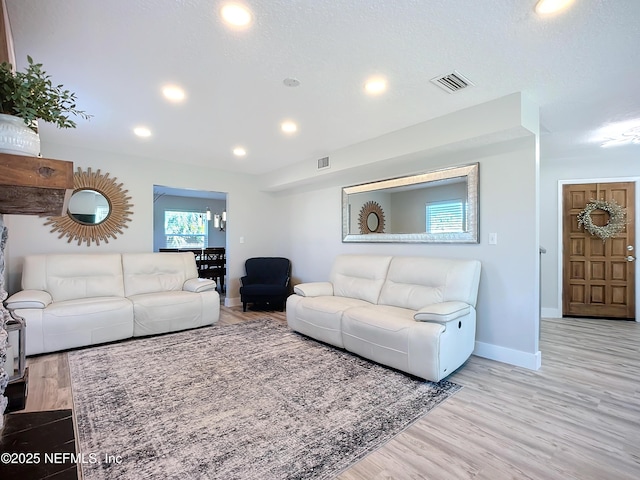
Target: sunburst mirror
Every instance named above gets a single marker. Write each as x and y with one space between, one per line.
99 209
371 218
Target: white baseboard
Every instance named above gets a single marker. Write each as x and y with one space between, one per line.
532 361
551 312
232 302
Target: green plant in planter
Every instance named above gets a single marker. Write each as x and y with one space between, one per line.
31 95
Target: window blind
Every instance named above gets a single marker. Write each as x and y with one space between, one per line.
446 217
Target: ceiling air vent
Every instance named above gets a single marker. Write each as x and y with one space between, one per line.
323 163
452 82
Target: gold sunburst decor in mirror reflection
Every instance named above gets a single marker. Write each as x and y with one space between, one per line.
115 220
371 218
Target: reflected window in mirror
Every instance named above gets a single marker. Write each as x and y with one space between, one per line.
446 217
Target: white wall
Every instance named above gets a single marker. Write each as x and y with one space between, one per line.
612 164
250 211
508 302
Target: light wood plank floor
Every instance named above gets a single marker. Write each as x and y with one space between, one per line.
578 417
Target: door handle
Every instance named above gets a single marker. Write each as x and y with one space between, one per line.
630 258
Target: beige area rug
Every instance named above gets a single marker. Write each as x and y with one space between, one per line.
246 401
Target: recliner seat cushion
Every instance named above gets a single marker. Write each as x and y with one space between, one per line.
171 311
390 335
321 317
86 321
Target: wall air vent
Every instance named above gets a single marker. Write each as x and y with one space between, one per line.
452 82
323 163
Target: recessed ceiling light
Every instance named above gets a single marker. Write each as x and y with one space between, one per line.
289 127
545 7
173 93
142 131
375 85
236 15
239 152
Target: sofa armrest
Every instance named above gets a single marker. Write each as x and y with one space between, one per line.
314 289
29 299
199 285
442 312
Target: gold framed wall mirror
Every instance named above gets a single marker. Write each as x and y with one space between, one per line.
440 206
98 209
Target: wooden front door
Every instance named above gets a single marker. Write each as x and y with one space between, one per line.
598 276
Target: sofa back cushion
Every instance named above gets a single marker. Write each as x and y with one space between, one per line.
359 276
74 276
157 272
414 282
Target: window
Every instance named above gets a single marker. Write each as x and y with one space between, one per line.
186 229
101 212
446 217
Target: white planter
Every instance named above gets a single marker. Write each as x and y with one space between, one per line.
16 138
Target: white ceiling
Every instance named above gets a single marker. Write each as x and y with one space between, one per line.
581 67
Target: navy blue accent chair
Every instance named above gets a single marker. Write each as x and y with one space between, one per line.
266 282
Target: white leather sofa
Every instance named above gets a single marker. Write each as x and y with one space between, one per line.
415 314
75 300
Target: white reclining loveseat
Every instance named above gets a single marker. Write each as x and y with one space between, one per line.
75 300
415 314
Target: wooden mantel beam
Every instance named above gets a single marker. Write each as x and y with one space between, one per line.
7 53
34 185
30 185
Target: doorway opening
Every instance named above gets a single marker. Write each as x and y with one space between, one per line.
193 220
